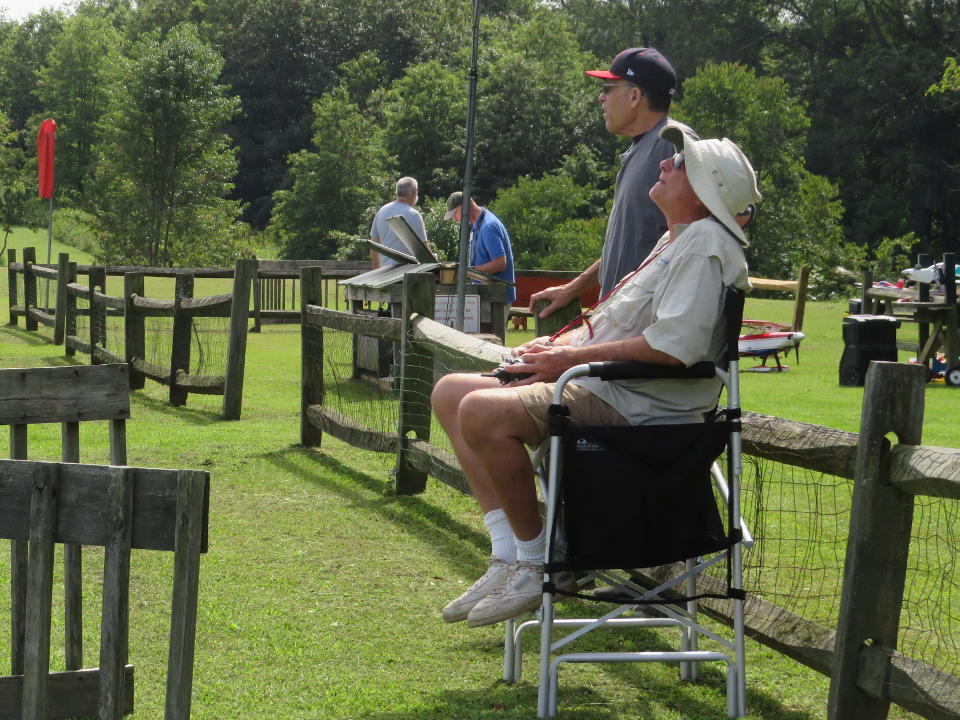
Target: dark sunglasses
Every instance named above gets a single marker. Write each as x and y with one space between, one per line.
750 213
610 87
678 161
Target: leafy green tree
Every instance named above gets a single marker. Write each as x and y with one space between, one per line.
406 32
161 16
535 105
280 56
363 78
892 256
534 211
950 82
424 115
24 48
444 235
164 166
577 243
337 184
15 186
863 68
688 33
799 218
71 86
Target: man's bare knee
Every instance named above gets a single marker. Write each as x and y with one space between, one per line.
494 416
450 390
444 399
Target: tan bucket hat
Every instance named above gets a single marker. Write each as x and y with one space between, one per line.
720 174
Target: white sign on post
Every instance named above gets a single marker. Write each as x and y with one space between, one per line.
445 312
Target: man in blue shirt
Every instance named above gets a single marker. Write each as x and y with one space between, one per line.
490 251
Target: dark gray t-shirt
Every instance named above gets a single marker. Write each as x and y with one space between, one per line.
635 223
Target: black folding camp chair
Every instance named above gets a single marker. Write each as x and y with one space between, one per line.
625 498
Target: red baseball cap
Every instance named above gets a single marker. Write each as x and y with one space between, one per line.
645 67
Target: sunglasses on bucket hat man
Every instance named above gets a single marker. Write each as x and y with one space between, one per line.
719 173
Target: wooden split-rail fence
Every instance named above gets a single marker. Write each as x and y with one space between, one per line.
134 307
860 654
112 506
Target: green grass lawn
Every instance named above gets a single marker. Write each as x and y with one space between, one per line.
320 595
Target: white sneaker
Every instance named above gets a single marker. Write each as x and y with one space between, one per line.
521 592
496 573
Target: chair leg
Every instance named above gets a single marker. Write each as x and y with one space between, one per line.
740 659
509 649
739 631
689 671
544 691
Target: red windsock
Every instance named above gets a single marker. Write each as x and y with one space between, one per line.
46 139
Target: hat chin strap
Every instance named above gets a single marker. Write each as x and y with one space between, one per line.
724 226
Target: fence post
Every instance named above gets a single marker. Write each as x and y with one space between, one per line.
950 278
180 347
877 547
867 302
69 305
416 380
244 274
257 300
951 340
60 311
134 340
97 281
923 289
560 318
800 301
311 354
29 286
12 284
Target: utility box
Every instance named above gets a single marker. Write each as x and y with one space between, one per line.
866 338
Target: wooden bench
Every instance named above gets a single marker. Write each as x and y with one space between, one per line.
529 282
798 288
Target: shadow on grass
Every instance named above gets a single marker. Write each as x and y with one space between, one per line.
194 416
649 690
646 690
464 548
27 337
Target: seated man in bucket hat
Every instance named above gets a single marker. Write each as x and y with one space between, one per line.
667 311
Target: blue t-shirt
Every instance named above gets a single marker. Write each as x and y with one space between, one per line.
490 241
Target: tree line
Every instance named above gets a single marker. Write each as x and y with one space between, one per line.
191 130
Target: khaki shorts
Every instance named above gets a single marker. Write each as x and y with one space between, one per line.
585 407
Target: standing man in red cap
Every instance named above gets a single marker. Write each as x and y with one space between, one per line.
636 95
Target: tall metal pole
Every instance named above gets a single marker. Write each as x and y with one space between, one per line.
467 174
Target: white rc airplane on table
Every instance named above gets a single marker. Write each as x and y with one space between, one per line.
932 275
767 339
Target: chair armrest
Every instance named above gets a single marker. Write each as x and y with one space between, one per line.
636 370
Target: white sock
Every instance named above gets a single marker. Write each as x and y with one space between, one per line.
501 535
533 551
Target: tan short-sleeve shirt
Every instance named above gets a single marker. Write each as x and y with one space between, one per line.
676 303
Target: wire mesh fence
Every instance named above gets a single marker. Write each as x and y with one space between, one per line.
797 510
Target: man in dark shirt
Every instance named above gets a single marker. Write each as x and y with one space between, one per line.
637 90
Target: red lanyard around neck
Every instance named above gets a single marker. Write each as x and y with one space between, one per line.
584 316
